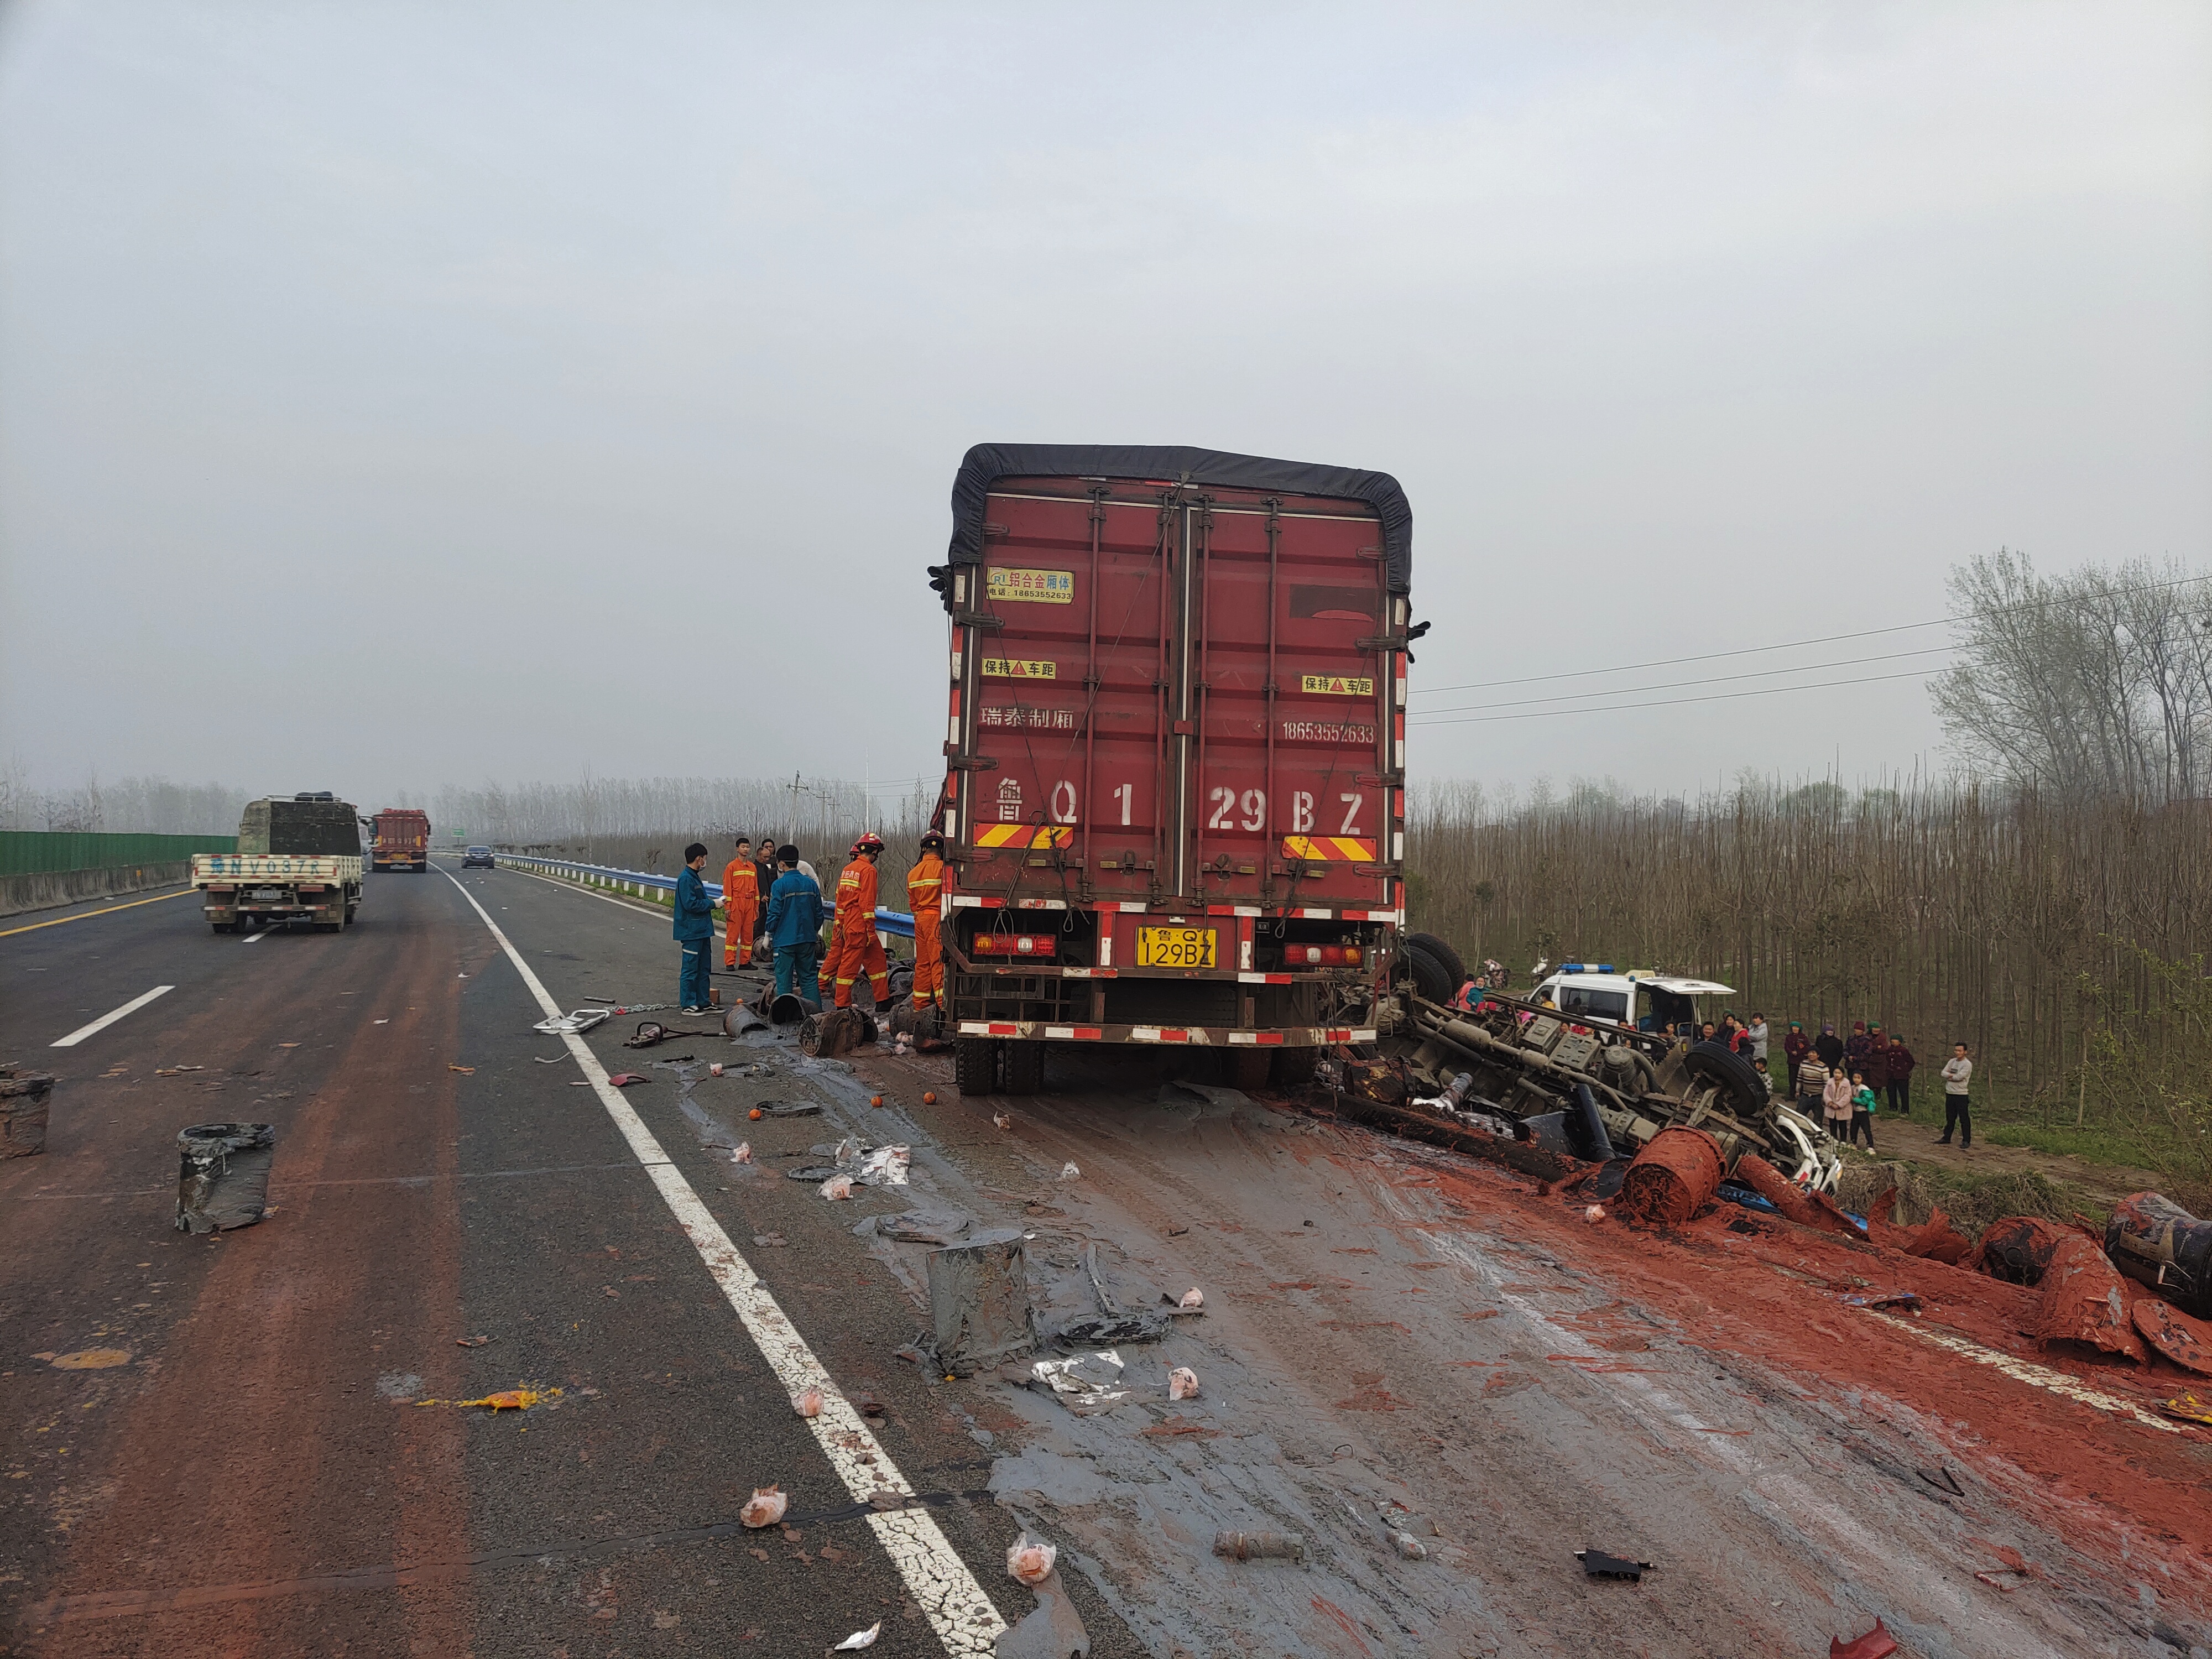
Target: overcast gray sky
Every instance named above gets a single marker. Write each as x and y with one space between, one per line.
391 395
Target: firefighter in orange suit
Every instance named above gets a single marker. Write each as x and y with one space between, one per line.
925 886
854 948
741 897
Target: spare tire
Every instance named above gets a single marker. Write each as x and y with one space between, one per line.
1444 954
1730 1072
1432 979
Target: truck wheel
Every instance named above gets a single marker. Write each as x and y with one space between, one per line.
1432 980
1444 954
1249 1068
1293 1068
975 1065
1730 1072
352 911
1024 1067
224 927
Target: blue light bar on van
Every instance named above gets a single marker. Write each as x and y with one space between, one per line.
1585 968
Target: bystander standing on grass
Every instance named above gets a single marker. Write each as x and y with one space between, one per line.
1863 1105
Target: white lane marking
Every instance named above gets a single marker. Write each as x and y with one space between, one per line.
251 939
965 1619
578 887
2036 1376
107 1020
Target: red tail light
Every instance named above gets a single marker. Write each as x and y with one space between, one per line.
1014 945
1320 956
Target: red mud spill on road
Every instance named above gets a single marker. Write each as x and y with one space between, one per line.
1772 1293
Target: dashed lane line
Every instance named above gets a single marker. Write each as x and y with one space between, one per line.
108 1019
84 916
958 1607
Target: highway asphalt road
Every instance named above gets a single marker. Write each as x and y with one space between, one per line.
253 1479
1395 1341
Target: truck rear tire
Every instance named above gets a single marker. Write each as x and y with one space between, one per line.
1444 954
1431 978
975 1065
1735 1076
1249 1068
1293 1068
1024 1067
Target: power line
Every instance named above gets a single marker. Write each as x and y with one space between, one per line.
1673 685
1668 702
1793 644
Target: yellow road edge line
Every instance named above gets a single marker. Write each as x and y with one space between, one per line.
83 915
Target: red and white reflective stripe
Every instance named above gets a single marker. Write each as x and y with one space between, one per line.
1136 907
1256 1039
1041 904
1075 1033
989 1027
1160 1034
1335 1035
1263 979
1091 973
1316 915
1244 910
976 901
1106 950
1221 909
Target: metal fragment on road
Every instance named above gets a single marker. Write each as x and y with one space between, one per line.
979 1300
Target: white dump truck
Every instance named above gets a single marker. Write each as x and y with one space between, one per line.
298 859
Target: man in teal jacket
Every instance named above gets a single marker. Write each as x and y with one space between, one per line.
694 930
795 927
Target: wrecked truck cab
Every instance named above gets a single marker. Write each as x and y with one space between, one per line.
1588 1086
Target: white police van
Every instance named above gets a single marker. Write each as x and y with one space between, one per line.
1642 997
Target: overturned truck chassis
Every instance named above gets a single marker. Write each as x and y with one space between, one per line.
1591 1092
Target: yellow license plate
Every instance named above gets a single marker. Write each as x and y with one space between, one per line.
1175 947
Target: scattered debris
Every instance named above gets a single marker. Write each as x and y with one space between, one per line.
651 1033
1112 1330
2017 1248
1909 1299
875 1100
979 1300
1000 1121
577 1020
788 1109
1182 1383
1674 1176
2083 1301
466 1071
223 1181
2188 1408
1030 1562
2187 1342
1942 1479
886 1166
917 1227
764 1508
1260 1545
86 1359
624 1079
176 1071
2153 1239
1594 1214
1876 1644
1087 1383
742 1152
544 1060
768 1241
1069 1172
520 1398
1596 1564
1409 1547
1791 1201
929 1097
836 1186
807 1402
714 1068
471 1341
861 1638
23 1107
1192 1298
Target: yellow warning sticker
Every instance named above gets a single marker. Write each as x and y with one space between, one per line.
1336 685
1014 668
1031 586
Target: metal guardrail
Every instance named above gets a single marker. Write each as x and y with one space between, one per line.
642 883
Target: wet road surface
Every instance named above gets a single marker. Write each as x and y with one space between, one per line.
1394 1341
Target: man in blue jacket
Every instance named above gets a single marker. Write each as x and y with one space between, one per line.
795 927
694 930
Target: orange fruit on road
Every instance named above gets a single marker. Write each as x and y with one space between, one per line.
754 1114
929 1098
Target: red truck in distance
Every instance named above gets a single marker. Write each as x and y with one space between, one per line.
1174 789
402 840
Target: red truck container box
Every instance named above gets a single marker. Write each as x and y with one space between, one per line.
1177 729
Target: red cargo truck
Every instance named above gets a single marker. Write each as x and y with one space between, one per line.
402 840
1174 789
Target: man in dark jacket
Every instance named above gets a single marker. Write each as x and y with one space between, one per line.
1899 1060
1829 1047
1855 1046
1794 1048
1876 1063
795 929
695 931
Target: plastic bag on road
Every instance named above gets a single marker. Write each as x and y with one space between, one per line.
1086 1383
764 1508
1182 1383
886 1166
1030 1562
